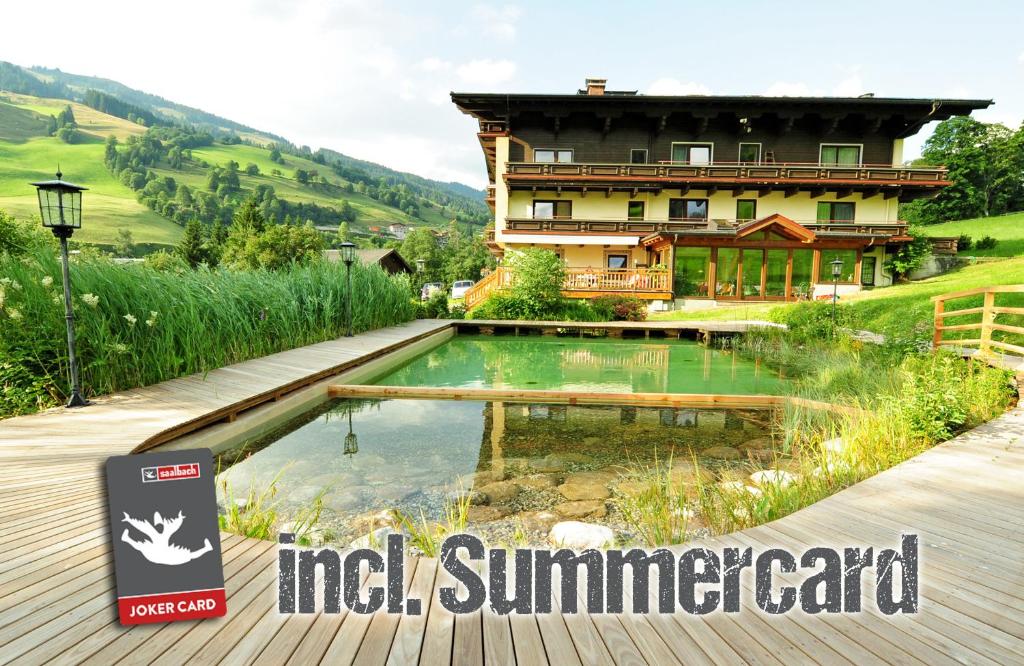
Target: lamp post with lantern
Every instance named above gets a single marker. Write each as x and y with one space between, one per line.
837 270
348 255
60 206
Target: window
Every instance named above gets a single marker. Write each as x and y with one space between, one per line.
690 271
687 209
840 155
846 272
692 153
552 210
635 210
638 156
552 155
867 271
616 260
750 153
835 211
746 209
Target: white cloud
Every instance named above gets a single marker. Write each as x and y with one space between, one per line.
485 73
433 65
670 86
499 22
850 86
1020 58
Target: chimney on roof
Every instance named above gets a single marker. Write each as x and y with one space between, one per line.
596 86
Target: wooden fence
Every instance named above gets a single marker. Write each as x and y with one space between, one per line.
987 324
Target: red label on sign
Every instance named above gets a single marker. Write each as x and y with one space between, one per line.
170 472
171 607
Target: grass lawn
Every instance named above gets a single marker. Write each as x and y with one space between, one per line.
109 205
903 309
1007 229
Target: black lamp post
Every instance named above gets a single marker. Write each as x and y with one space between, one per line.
60 205
837 270
351 441
348 255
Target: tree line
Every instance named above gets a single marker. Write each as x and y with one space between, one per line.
986 167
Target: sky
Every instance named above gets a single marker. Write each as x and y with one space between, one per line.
372 79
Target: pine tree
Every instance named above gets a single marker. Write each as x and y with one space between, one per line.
191 248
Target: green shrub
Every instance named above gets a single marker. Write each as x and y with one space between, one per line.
812 320
138 325
909 256
436 307
986 243
508 306
963 243
537 283
620 308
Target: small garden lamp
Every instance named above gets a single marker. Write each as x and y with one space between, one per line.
421 265
837 270
351 441
348 255
60 205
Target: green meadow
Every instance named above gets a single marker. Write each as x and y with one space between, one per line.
27 154
1007 229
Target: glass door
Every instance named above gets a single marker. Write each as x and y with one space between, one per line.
753 263
776 264
727 272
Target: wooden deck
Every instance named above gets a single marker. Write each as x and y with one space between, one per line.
965 498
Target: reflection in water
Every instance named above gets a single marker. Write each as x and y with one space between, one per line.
414 453
594 364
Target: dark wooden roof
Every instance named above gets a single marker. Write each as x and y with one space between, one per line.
904 115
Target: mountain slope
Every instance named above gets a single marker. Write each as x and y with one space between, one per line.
307 185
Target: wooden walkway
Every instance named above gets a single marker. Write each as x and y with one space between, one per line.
965 498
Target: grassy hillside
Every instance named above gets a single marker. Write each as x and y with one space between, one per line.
903 310
1007 229
27 154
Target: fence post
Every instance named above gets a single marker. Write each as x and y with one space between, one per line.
987 318
940 306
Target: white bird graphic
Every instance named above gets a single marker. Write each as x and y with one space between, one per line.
159 548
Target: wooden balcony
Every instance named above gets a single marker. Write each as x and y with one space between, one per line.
889 180
557 226
643 283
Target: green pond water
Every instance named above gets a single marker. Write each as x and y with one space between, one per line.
414 455
588 364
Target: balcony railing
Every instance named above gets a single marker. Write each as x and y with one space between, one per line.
580 282
867 174
644 227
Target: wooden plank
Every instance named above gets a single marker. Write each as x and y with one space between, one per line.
554 397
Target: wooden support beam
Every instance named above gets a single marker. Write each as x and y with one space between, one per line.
662 122
738 191
607 193
684 190
702 125
583 192
636 192
558 191
817 192
831 125
712 189
791 192
867 194
607 126
764 191
889 194
842 194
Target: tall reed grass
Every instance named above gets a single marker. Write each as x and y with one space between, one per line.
137 325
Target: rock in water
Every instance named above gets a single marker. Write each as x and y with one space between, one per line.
580 536
575 491
581 509
772 477
500 491
721 453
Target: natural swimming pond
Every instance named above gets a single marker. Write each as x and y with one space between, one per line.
522 466
527 464
585 364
